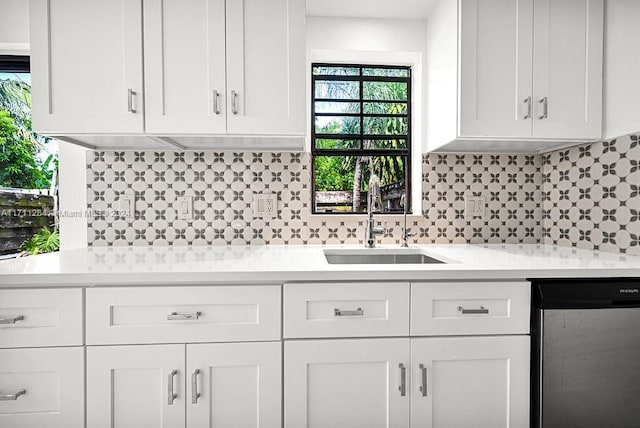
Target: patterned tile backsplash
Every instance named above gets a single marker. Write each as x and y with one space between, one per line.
222 186
590 196
586 196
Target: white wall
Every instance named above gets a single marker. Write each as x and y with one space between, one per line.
72 177
376 41
621 68
14 27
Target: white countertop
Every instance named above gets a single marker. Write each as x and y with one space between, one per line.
277 264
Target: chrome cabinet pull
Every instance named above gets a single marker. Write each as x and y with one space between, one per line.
171 394
423 387
527 101
357 313
180 316
482 310
234 102
11 320
13 397
403 380
194 386
545 108
130 106
216 96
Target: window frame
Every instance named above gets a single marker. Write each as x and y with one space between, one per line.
15 64
407 152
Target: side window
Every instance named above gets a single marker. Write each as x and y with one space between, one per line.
361 117
28 168
27 160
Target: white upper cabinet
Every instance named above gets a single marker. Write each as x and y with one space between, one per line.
527 75
225 67
184 59
266 67
211 68
86 65
568 53
496 68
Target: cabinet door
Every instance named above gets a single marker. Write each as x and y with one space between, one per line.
347 383
480 382
42 388
184 61
568 69
129 386
266 67
235 385
495 68
86 62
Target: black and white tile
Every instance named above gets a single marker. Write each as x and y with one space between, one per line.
222 187
591 196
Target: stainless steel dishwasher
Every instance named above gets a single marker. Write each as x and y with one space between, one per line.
586 353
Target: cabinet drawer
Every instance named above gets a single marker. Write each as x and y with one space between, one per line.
460 308
140 315
42 388
32 318
346 310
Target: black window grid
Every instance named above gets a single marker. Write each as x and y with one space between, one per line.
361 78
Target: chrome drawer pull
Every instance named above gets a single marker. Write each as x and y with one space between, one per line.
194 386
13 397
482 310
357 313
181 316
216 96
234 102
130 101
403 380
171 395
423 387
11 320
545 108
527 101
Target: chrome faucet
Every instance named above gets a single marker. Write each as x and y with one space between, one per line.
405 232
373 204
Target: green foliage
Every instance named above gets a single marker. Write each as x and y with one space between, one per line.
20 166
45 241
331 174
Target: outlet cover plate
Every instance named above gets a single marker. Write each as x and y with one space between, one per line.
127 204
265 205
185 207
474 206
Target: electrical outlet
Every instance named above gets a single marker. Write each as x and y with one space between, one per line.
474 206
185 207
127 204
265 205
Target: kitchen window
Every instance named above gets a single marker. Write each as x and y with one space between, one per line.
361 123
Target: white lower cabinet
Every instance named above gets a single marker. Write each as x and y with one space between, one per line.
346 383
173 386
129 386
42 387
235 385
480 382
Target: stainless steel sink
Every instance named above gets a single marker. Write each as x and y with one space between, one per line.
377 257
